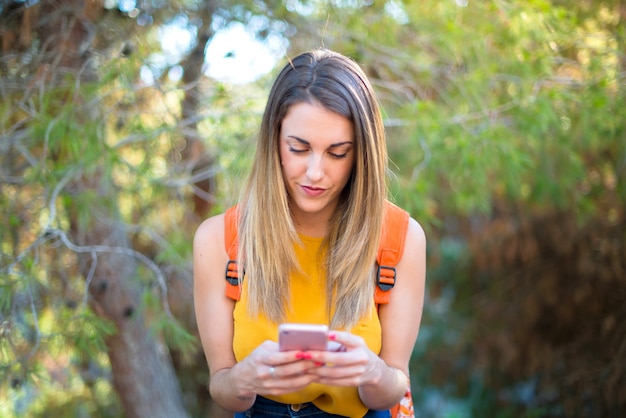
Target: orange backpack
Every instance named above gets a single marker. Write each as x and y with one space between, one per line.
390 250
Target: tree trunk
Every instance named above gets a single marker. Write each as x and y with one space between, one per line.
143 376
196 161
194 156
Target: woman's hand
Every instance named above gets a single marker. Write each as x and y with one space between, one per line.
268 371
380 386
354 365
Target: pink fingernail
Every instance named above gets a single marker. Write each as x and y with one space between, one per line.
318 364
332 336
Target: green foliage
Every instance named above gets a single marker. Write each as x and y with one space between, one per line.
498 106
84 331
168 329
177 337
492 102
69 171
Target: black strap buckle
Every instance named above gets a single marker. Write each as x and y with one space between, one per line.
232 272
386 277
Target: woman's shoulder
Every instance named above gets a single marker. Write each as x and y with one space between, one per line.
210 235
415 235
211 227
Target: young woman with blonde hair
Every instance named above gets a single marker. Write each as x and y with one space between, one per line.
309 223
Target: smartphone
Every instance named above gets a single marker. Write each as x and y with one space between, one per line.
302 337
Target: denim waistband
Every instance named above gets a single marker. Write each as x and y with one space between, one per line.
266 408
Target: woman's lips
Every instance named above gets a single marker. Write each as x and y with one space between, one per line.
313 191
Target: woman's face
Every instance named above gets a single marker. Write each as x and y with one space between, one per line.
317 155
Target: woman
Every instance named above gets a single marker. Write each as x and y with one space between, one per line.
310 218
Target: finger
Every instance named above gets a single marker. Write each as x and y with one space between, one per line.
296 368
336 370
347 339
340 375
281 385
349 357
345 381
285 357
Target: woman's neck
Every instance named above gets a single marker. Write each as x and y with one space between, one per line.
314 225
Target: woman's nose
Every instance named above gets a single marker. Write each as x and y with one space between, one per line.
315 169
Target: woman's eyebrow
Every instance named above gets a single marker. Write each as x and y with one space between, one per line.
305 142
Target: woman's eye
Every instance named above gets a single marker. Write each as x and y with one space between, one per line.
340 153
297 150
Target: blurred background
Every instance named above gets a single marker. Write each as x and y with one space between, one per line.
125 123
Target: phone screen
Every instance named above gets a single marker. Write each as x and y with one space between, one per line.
302 337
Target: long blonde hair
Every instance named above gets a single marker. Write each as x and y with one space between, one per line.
266 229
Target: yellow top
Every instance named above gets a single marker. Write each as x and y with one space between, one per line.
307 305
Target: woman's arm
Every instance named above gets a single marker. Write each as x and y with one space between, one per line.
214 314
233 385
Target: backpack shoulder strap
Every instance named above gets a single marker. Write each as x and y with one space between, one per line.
231 242
390 250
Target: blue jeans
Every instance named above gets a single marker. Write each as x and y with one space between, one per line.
265 408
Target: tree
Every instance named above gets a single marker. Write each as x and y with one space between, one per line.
71 145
